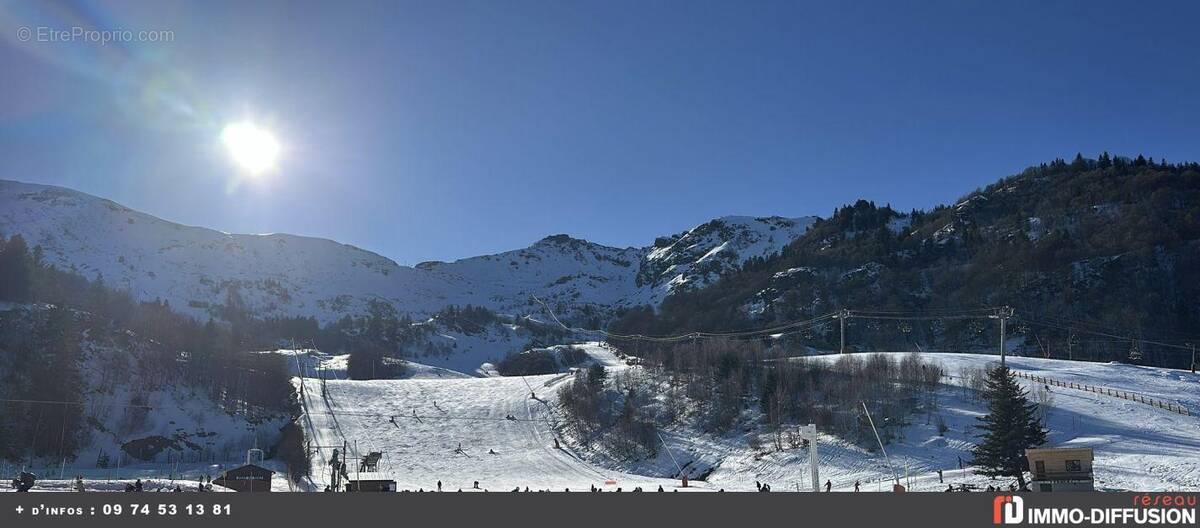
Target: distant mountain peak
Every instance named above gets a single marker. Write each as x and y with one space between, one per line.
278 274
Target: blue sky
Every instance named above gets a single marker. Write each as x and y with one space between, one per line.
440 130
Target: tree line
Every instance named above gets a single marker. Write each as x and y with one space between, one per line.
719 385
1113 242
61 313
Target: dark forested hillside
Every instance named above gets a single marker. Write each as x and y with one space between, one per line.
1100 258
54 342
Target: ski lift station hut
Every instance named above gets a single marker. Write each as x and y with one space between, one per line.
250 478
1061 468
370 481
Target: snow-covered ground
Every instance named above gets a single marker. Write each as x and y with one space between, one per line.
433 417
1138 447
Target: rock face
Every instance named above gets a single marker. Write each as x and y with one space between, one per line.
200 270
701 256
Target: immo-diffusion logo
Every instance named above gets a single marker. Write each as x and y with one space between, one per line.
1008 509
1146 510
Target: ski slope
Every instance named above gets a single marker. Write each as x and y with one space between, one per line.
433 417
1137 447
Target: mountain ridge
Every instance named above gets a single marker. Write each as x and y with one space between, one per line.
199 270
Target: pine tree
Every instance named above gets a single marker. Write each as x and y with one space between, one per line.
1010 427
16 274
595 378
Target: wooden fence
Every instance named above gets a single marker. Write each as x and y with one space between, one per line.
1105 391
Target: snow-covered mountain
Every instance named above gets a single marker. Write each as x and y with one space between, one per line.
199 270
699 257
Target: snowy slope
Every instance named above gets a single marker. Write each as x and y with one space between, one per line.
704 254
434 417
572 274
1137 447
198 270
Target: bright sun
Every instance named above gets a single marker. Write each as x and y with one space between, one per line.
252 147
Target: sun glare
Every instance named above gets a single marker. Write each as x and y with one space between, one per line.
252 147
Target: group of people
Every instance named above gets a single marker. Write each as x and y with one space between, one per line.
476 486
950 488
764 487
26 480
203 485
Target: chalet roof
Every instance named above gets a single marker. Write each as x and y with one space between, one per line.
1058 450
247 467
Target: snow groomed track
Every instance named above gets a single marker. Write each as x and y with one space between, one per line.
420 424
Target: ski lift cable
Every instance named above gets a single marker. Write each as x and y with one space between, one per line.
932 311
860 315
688 335
550 426
1121 338
1098 326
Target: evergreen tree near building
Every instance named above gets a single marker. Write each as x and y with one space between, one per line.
1009 428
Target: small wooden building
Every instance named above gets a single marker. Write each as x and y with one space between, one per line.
370 482
247 478
371 485
1061 468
